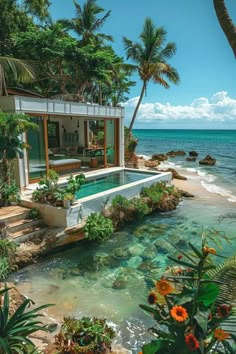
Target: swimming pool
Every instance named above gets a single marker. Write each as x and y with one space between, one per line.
109 181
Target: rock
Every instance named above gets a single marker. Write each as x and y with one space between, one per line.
176 153
135 250
120 283
185 194
162 246
121 253
146 266
151 163
159 157
175 174
149 253
191 159
193 153
168 204
208 161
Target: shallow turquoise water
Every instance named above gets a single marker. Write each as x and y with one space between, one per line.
112 279
113 180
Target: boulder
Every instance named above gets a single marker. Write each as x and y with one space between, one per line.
176 153
185 194
149 253
208 161
120 283
191 159
193 153
151 163
175 174
159 157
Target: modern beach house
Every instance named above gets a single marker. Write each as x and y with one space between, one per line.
72 137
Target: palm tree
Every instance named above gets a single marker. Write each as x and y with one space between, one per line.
87 24
226 23
16 69
150 57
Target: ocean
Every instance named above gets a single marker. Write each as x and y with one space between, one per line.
220 144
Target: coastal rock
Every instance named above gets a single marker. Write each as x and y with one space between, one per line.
185 194
173 153
159 157
191 159
208 161
168 204
151 163
193 153
175 174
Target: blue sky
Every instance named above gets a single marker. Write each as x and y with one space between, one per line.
206 95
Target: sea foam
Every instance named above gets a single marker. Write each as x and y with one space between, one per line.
213 188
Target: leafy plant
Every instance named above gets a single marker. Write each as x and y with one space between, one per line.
33 213
85 334
185 303
10 192
98 228
120 203
74 183
69 196
140 208
15 329
7 258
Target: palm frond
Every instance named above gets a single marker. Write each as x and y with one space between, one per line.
20 69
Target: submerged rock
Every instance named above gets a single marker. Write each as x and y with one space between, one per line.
149 253
208 161
193 153
191 159
176 153
120 283
160 157
146 266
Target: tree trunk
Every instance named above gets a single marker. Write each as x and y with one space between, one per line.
226 23
135 112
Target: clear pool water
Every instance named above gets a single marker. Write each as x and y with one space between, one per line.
109 181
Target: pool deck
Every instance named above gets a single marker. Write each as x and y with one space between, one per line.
61 217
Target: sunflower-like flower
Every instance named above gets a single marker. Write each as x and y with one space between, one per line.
152 298
192 342
223 310
164 287
179 313
221 335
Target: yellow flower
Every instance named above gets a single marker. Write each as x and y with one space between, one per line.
179 313
210 250
163 287
220 335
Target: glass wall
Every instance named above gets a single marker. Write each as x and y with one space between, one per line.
110 134
36 152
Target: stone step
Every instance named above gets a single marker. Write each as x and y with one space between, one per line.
13 213
18 225
28 234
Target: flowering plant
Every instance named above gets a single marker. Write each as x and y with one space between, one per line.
187 305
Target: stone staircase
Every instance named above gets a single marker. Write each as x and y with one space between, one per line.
19 227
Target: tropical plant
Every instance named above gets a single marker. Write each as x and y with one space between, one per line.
186 304
98 228
10 192
33 213
150 57
15 329
87 24
84 335
16 69
226 23
12 125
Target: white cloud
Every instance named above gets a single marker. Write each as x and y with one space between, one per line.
218 108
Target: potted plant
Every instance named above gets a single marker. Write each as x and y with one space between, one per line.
68 199
86 335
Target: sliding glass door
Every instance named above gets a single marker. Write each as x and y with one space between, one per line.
36 151
111 146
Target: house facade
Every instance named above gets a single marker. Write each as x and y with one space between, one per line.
71 137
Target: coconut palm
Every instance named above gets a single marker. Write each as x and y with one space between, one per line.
87 24
150 57
226 23
17 69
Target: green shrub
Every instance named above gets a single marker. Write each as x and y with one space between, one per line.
120 203
7 258
84 335
156 192
33 214
98 228
14 330
140 208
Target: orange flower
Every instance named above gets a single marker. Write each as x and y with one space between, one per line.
163 287
192 342
209 250
179 313
152 298
219 334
